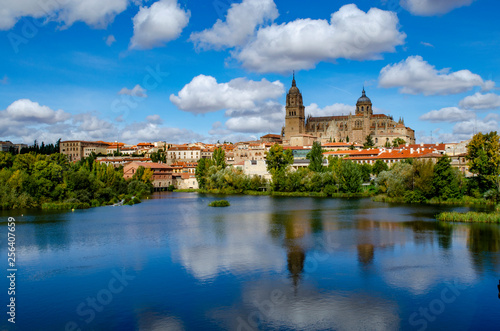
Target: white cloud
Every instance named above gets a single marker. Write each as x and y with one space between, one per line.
96 13
154 119
449 114
203 94
156 25
433 7
301 44
331 110
473 126
241 21
480 101
426 44
415 76
146 131
137 91
110 40
89 125
27 111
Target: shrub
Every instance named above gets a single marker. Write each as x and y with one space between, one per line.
219 203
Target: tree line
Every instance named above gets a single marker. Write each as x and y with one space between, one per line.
33 180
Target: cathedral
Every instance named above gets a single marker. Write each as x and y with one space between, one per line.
345 128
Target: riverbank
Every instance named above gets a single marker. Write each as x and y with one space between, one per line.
471 217
366 194
464 201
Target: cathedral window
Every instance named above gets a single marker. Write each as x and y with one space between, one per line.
362 108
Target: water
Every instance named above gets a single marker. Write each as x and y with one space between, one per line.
264 263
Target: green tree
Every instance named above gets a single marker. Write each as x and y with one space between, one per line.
397 181
219 157
315 157
202 171
483 154
277 160
366 170
5 160
446 182
378 167
350 178
369 142
397 142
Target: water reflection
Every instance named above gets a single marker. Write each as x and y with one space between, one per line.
263 263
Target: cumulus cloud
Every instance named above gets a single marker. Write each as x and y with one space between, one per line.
137 91
110 40
96 13
472 126
415 76
449 114
203 94
154 119
25 110
156 25
301 44
480 101
241 22
433 7
331 110
147 131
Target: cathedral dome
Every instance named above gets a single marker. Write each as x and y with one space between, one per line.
294 89
364 98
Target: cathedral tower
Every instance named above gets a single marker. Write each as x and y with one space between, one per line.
295 112
364 105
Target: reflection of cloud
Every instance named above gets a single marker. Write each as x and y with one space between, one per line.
420 278
228 247
311 310
150 321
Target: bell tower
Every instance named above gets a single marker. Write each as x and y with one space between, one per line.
295 112
364 105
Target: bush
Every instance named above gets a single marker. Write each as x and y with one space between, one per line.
219 203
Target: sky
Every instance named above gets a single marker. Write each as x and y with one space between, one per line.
217 70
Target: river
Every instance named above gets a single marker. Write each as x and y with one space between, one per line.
264 263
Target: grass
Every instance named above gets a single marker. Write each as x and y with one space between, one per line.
219 203
65 205
469 217
463 201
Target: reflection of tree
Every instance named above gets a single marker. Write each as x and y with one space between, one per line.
366 253
483 240
295 258
421 231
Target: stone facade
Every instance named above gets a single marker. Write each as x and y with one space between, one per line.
346 128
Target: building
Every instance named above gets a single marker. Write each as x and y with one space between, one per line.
117 161
183 154
6 146
162 173
76 150
345 128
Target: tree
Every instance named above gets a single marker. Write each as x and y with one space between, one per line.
445 181
483 154
202 171
277 160
347 139
351 177
315 157
397 142
369 142
219 157
396 181
366 170
378 167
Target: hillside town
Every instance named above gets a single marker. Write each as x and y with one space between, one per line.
175 164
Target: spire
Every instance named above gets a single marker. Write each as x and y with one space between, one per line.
364 91
293 80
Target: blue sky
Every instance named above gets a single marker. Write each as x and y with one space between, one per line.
186 70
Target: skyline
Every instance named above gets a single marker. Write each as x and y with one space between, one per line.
220 70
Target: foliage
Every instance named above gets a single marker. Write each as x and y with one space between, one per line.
397 142
379 166
366 170
395 181
315 157
446 180
469 217
368 142
219 203
33 180
277 162
483 154
219 157
159 156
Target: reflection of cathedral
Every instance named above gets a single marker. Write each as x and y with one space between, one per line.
345 128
